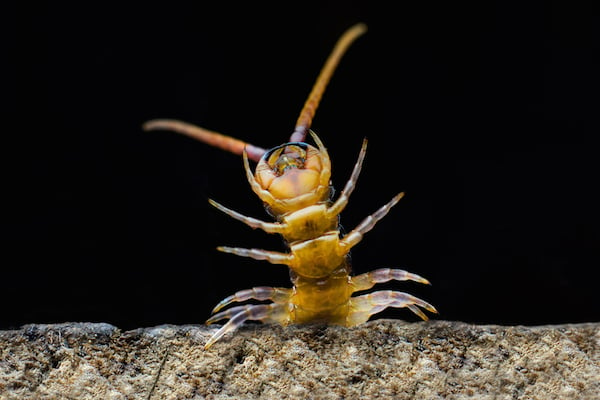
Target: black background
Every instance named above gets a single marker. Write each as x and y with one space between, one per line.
484 114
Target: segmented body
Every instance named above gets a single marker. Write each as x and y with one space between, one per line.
293 181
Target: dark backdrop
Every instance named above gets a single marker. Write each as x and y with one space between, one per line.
484 114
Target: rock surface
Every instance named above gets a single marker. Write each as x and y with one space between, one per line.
380 359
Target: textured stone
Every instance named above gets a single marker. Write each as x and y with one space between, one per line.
380 359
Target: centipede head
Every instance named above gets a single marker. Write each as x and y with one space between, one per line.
292 176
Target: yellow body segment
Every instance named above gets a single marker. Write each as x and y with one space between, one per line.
322 299
318 257
306 223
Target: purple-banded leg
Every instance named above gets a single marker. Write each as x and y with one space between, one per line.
277 295
362 307
267 313
368 280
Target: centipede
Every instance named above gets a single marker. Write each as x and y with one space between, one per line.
293 181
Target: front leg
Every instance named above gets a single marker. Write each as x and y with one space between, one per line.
356 235
273 257
269 227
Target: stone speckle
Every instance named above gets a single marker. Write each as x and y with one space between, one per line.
379 359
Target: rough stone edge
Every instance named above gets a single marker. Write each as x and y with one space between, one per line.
157 341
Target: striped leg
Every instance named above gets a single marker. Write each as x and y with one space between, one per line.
362 307
268 313
342 201
273 257
356 235
381 275
269 227
277 295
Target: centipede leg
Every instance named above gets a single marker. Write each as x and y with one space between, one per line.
342 201
362 307
273 257
277 295
228 314
381 275
356 235
269 227
268 313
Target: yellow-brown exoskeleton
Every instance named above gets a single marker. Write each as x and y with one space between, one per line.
293 181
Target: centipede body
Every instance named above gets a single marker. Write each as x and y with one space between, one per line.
293 180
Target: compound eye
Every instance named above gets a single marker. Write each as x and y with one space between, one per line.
289 170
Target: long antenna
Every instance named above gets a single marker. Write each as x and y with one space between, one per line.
310 106
216 139
303 123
